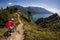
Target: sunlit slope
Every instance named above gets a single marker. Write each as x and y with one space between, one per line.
31 30
34 32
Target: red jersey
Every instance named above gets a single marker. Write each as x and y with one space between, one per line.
9 23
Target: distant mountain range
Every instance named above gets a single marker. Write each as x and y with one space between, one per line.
34 10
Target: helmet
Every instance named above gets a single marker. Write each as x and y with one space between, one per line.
12 19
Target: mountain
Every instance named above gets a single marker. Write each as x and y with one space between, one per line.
33 10
37 12
52 21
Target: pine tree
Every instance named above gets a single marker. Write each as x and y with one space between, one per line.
29 15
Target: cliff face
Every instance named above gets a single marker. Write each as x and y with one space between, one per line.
52 21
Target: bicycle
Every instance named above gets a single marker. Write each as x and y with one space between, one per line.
8 33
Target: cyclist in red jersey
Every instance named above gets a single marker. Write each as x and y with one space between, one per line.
10 24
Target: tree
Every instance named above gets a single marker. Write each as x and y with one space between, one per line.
29 15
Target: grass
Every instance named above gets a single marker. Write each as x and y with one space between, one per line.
33 31
2 31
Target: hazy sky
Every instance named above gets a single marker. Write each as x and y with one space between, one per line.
51 5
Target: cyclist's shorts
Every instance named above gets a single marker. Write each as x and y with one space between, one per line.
11 27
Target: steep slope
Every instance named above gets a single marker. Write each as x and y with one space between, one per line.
5 15
52 22
18 34
35 32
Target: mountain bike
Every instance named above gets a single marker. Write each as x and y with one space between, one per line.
8 33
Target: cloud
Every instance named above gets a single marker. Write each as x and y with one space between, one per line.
10 3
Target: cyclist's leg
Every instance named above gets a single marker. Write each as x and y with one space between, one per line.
12 28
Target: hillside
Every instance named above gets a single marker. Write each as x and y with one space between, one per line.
52 22
35 32
19 32
5 15
31 30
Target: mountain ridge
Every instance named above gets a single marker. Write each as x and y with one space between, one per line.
33 10
49 22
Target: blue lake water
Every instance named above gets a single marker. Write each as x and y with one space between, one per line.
37 16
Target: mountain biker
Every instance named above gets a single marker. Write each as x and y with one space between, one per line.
10 25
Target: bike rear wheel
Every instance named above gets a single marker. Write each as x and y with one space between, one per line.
7 34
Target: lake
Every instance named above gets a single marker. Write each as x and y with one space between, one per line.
37 16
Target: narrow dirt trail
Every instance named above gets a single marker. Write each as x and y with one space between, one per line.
18 34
